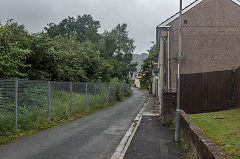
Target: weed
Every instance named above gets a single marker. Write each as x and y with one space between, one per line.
170 123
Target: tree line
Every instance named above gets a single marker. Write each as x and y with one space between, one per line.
72 50
147 67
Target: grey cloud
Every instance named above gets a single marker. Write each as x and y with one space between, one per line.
142 16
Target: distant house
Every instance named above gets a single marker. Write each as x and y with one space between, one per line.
210 41
138 76
139 58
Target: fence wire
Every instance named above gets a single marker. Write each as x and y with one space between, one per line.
25 104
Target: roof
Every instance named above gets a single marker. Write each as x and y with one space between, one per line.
186 9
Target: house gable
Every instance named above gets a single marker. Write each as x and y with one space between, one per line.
175 16
211 11
210 38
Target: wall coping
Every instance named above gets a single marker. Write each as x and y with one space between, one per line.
211 148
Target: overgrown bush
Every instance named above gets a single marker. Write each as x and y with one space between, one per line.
63 53
119 93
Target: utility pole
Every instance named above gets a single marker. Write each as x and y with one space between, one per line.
177 123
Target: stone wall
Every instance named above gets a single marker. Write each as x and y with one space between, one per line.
198 141
168 109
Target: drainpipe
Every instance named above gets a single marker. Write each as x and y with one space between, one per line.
161 39
168 63
158 40
161 67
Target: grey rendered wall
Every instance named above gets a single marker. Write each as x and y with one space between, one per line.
211 39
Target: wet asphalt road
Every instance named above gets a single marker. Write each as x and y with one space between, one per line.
95 136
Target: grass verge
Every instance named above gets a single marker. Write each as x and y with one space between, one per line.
35 119
223 128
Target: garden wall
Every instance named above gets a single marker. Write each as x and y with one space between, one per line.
169 107
198 140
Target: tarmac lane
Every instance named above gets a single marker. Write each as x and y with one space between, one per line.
94 136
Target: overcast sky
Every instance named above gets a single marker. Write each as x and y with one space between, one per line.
142 16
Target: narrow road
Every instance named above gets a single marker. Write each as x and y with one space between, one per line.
95 136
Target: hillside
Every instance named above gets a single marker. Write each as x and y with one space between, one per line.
139 59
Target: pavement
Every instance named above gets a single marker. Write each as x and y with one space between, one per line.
153 140
94 136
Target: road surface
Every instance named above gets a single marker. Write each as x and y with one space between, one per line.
95 136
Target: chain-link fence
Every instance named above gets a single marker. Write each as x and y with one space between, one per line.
26 105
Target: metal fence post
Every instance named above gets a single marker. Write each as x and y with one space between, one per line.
86 97
16 103
95 91
109 89
70 98
114 91
49 86
103 93
125 90
122 90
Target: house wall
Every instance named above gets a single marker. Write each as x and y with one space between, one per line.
210 39
154 85
137 82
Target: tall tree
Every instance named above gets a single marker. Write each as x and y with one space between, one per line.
84 27
14 46
70 51
147 66
121 48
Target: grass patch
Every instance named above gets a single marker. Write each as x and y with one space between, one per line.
225 131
